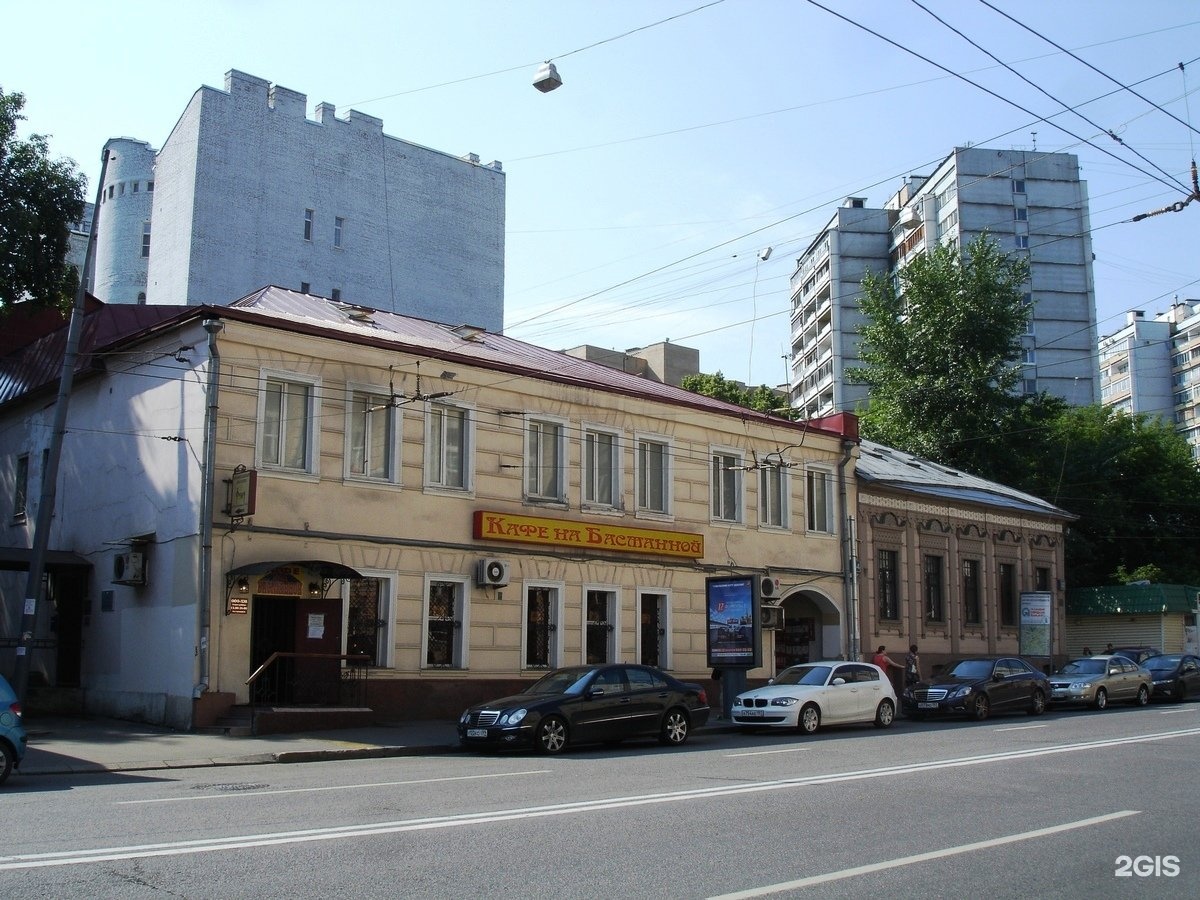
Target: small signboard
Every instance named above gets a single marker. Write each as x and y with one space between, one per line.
238 605
243 491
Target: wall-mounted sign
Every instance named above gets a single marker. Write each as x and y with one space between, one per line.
237 606
494 526
243 491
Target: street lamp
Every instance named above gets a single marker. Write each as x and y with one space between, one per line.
547 78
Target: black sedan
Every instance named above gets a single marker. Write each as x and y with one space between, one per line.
588 704
1176 676
977 687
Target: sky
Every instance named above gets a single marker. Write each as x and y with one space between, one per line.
689 136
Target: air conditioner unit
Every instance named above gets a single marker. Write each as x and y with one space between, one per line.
491 573
769 588
129 568
772 617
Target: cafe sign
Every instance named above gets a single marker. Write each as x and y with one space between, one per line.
495 526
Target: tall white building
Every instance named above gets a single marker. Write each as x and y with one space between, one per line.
1033 203
1152 367
248 191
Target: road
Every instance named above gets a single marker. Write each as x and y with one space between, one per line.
1011 807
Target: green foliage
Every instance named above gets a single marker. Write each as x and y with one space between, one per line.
761 398
1149 572
941 351
39 199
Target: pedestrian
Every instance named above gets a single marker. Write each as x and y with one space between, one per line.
912 666
1087 651
1109 649
885 662
717 698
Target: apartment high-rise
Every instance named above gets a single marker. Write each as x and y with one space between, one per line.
1032 203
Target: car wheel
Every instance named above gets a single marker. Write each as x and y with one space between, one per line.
1101 700
675 728
1038 704
1143 696
6 761
885 715
551 735
810 719
981 707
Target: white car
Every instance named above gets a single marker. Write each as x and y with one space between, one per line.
810 695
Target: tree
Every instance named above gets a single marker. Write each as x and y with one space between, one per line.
761 398
39 199
941 351
1135 487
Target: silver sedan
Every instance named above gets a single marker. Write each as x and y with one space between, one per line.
1096 680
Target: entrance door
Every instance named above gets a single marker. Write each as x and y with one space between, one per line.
69 588
599 638
318 631
653 628
272 630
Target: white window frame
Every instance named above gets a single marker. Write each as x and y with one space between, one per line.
310 429
614 621
146 240
339 227
557 631
310 216
826 510
665 660
774 492
378 408
545 449
462 645
433 463
667 476
592 469
387 596
20 498
725 473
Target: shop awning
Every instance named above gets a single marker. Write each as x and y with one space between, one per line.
16 559
321 567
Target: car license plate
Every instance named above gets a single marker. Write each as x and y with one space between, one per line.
926 705
752 712
476 732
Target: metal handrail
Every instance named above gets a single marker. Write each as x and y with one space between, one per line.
280 655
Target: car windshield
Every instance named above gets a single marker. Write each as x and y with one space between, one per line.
564 681
971 669
1162 663
1085 667
803 675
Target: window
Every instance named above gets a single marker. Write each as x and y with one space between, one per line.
599 638
653 473
150 187
653 645
339 225
601 470
145 239
1018 185
369 621
971 608
1022 241
1008 594
308 224
447 447
111 189
21 487
887 584
773 496
370 435
543 460
540 627
305 287
934 595
286 434
121 191
136 185
445 624
1021 214
820 501
1041 579
337 293
726 487
141 298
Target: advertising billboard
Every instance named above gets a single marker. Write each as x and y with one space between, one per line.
1035 623
734 630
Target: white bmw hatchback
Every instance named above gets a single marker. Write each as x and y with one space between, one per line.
810 695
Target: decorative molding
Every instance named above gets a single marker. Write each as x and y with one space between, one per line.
935 525
881 519
1007 534
971 530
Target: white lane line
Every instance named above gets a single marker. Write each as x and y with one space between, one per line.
924 857
208 845
332 787
765 752
1181 709
1019 728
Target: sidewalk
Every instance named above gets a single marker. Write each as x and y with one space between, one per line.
62 745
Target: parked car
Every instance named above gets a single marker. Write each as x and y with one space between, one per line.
978 686
1138 654
588 704
1097 680
810 695
1176 676
12 731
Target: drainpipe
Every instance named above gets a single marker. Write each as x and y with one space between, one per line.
208 488
849 555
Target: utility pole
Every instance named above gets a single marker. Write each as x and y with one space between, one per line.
45 512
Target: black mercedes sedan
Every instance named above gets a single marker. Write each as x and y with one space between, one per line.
978 686
588 704
1176 676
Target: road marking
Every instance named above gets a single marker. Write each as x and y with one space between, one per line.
1019 728
765 752
925 857
208 845
1178 709
334 787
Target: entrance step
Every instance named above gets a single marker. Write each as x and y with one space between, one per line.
240 722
